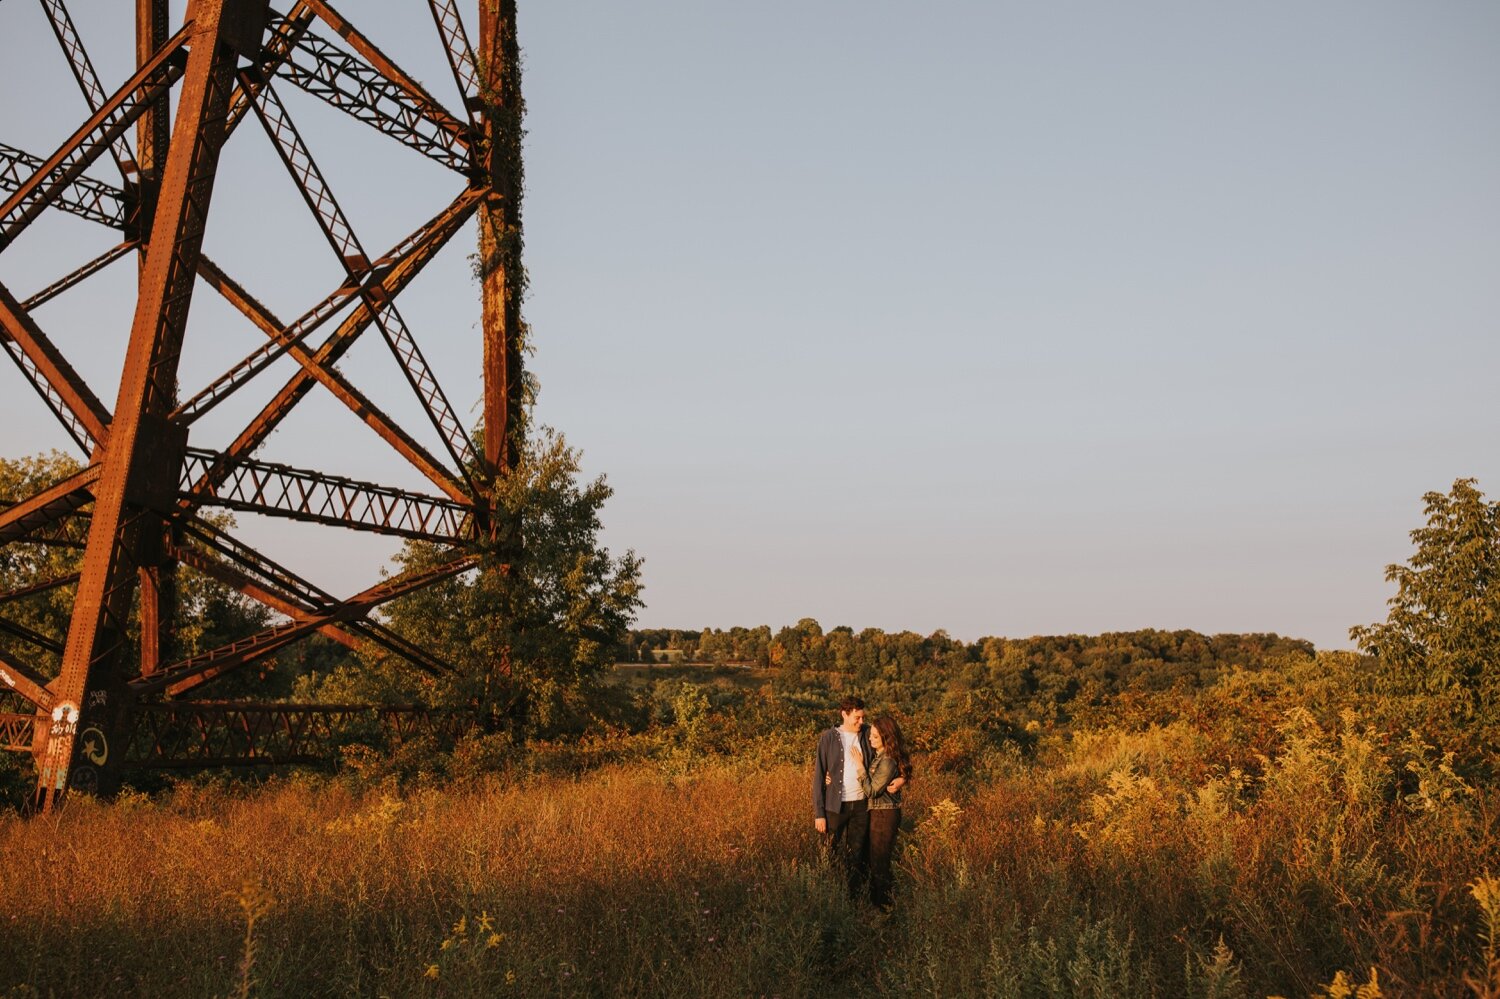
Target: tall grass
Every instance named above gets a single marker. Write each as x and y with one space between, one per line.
1144 863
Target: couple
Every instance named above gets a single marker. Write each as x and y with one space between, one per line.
858 773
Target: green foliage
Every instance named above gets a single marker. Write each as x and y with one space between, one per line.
528 634
1442 635
1218 976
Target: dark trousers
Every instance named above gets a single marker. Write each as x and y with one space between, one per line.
848 839
885 824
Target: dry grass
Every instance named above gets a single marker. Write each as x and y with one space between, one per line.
1134 865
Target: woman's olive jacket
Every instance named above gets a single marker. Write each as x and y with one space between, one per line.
874 781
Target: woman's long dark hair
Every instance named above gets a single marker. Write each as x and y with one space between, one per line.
893 744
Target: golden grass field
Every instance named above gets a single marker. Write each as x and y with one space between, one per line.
1123 864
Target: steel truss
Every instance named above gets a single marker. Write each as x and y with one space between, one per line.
134 508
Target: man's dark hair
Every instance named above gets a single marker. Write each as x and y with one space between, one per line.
851 703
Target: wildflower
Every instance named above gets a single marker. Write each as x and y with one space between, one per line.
1486 891
462 926
448 944
486 924
510 978
494 940
943 816
431 972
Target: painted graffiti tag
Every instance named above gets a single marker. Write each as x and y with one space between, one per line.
64 720
98 699
95 747
85 778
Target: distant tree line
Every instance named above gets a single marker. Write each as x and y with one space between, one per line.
1150 658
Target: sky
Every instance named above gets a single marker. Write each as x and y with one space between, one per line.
1000 318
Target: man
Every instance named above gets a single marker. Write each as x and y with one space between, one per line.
840 811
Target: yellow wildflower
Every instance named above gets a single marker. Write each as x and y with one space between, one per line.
494 940
1486 891
486 924
462 926
432 971
448 944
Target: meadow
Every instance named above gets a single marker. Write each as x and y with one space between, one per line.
1276 833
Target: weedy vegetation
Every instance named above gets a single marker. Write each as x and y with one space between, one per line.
1267 839
1143 815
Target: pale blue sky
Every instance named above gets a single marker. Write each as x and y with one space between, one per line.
1001 318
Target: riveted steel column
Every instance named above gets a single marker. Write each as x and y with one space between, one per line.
158 582
141 463
501 276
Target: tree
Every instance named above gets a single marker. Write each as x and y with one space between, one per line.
531 632
1442 635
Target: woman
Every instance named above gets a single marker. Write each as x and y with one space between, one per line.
890 762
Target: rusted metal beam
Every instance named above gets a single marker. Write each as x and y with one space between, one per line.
283 338
21 679
82 196
193 672
386 277
156 576
68 531
88 80
153 132
296 594
44 586
460 55
502 279
138 457
30 636
158 606
17 731
359 90
392 281
346 245
188 675
84 410
381 282
179 735
242 582
142 526
77 276
49 505
283 34
283 491
322 371
49 395
387 68
89 142
190 735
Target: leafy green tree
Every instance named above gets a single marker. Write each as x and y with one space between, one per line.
1442 635
531 632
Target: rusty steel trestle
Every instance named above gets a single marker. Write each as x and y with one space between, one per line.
133 508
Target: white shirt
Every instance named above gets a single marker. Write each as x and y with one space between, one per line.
852 790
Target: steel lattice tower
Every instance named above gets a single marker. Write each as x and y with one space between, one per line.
135 509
